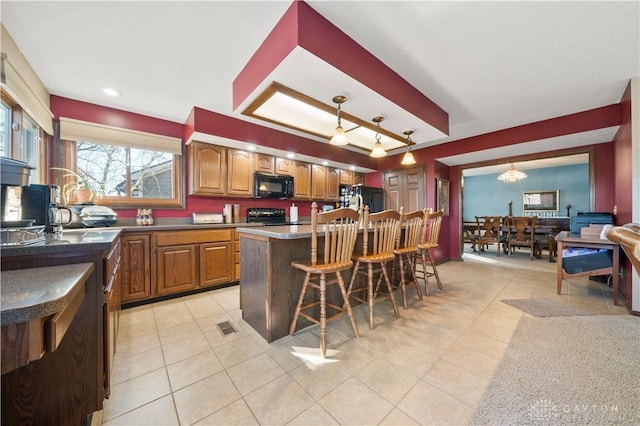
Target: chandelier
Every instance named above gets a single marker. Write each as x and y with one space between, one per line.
408 156
339 138
512 175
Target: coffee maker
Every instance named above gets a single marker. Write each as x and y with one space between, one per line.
16 227
41 203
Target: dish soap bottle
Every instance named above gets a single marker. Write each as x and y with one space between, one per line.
293 213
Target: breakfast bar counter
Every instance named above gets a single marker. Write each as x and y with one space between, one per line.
269 286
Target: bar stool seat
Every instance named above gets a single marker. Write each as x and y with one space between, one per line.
340 229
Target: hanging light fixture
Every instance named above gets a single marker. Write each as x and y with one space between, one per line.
408 156
339 138
512 175
378 150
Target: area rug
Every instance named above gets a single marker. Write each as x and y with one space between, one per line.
567 370
544 307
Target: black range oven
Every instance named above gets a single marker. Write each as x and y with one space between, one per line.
270 216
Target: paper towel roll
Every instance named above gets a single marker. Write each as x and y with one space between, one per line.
293 213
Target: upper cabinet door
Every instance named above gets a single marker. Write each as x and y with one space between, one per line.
358 178
302 180
346 177
240 166
318 182
333 184
284 166
208 169
265 163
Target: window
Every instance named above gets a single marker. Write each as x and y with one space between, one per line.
31 146
5 130
21 138
116 171
125 168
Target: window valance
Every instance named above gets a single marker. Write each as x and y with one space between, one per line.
77 130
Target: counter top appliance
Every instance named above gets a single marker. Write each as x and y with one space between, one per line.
270 216
91 215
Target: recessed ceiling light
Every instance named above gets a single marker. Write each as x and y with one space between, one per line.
251 147
111 92
352 167
291 155
325 163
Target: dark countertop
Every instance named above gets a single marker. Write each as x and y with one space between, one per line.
71 240
39 292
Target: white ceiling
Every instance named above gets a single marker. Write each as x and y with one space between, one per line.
490 65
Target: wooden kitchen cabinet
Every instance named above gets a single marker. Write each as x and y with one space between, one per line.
136 267
318 182
264 163
346 177
302 181
236 255
240 169
216 263
176 270
208 167
358 179
113 285
284 166
332 190
187 260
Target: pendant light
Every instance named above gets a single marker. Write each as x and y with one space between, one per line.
378 150
339 137
408 156
512 175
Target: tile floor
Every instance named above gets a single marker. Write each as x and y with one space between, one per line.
174 366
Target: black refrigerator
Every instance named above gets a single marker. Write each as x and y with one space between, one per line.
356 196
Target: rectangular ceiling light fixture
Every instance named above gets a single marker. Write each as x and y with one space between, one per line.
284 106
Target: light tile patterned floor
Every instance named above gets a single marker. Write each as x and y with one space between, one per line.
430 366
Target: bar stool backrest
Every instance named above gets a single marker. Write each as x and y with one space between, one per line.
413 224
380 231
434 222
340 229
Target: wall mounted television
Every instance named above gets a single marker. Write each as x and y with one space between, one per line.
540 201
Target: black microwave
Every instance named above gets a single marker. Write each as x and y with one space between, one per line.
272 186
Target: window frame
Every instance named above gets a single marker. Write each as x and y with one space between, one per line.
16 148
69 161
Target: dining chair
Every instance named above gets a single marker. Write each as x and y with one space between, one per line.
380 233
340 228
489 232
411 232
427 247
521 232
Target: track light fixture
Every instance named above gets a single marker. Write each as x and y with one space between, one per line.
339 137
378 150
408 156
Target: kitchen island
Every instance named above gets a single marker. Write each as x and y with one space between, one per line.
269 286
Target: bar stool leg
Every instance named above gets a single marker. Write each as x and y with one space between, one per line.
347 304
323 315
303 293
402 282
370 294
393 299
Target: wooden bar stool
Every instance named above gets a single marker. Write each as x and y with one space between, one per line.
340 229
412 224
431 236
381 229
